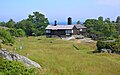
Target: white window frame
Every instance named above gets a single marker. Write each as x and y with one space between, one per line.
81 29
68 31
48 31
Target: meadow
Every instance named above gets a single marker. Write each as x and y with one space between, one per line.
62 57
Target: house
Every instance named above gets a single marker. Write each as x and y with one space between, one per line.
63 31
81 29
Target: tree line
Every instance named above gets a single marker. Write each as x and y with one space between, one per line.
34 25
103 29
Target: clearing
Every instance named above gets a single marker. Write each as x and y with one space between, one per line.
62 57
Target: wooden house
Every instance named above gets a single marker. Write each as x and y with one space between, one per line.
81 29
63 31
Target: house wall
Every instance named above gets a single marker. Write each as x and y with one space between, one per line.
63 32
83 32
59 33
75 32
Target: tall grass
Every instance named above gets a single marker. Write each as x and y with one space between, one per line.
60 57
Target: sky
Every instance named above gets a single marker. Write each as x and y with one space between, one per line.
60 10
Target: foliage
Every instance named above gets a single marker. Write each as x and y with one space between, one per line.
6 37
118 19
98 29
34 25
16 32
0 46
21 33
100 18
14 68
117 26
12 31
114 46
78 22
10 23
2 23
61 58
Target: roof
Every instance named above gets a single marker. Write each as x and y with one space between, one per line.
79 26
59 27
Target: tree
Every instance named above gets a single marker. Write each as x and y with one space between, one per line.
13 31
100 18
117 26
35 24
27 26
6 37
107 20
98 29
78 22
20 32
39 21
16 32
2 24
118 19
10 23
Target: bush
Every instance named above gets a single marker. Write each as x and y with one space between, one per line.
0 46
114 46
20 33
100 45
16 32
14 68
6 37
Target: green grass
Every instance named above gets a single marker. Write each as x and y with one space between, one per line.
61 57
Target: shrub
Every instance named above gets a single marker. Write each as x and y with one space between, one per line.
0 46
114 46
14 68
16 32
6 37
20 33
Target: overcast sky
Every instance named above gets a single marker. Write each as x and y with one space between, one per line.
59 10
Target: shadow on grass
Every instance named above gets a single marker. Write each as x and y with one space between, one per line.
93 52
74 46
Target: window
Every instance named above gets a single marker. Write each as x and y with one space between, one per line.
48 31
81 29
68 31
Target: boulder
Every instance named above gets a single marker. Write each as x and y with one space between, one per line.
16 57
106 50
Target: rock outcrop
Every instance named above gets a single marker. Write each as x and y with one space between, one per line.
16 57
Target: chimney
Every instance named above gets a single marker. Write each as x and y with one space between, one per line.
69 21
55 24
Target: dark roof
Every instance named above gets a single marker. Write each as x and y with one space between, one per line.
59 27
79 26
52 27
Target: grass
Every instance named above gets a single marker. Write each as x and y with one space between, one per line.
61 57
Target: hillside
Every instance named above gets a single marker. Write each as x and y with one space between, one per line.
61 57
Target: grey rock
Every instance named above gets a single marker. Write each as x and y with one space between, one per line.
106 50
16 57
